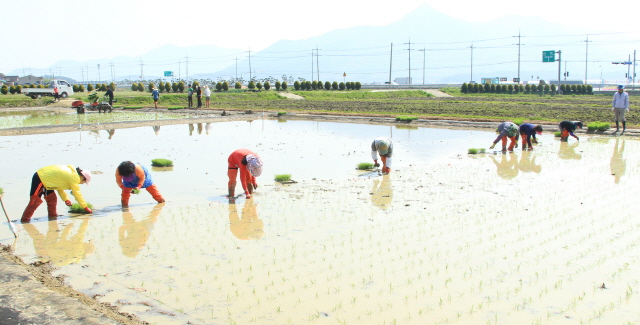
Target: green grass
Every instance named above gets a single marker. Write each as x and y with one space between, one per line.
161 163
346 95
598 126
365 166
406 118
283 177
20 100
76 208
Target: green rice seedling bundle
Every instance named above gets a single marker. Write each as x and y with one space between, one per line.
76 208
1 191
280 113
557 134
283 177
171 108
472 151
161 163
406 118
135 191
365 166
598 126
518 121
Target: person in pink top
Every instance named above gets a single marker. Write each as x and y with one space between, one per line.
250 166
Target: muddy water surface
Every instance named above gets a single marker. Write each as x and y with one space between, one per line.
549 236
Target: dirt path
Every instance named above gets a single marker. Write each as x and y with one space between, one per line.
434 92
290 95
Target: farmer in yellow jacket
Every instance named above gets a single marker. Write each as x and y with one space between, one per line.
56 178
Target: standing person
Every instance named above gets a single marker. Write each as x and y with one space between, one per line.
250 166
384 147
190 96
527 131
109 94
507 130
59 178
620 105
199 96
207 96
56 96
156 95
567 128
130 176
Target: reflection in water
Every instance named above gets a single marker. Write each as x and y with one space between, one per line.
618 164
507 168
382 193
56 247
208 127
248 226
191 128
156 129
199 128
528 163
111 133
567 151
133 235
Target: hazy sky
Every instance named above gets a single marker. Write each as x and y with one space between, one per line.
38 33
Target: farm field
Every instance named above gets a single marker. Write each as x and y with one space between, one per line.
549 236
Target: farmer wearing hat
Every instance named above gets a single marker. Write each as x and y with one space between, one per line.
130 177
527 131
507 130
59 178
156 95
567 128
250 166
620 105
384 147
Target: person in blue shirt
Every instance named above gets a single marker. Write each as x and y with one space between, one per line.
156 95
528 131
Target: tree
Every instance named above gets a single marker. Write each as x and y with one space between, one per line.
141 87
553 88
75 88
342 86
284 85
278 85
307 85
252 85
18 89
4 90
510 89
327 85
464 88
219 86
161 87
151 86
90 87
527 88
476 88
334 85
574 89
181 86
546 89
583 89
225 86
314 85
259 86
112 85
12 90
267 85
134 86
238 85
540 88
81 88
296 85
358 85
492 88
503 89
487 88
194 84
590 89
103 87
563 88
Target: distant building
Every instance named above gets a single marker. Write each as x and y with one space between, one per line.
29 80
8 80
403 81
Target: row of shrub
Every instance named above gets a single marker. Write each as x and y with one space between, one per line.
525 89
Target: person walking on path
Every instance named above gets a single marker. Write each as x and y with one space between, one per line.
56 95
507 130
207 96
527 131
109 94
190 96
56 178
620 105
156 95
567 128
250 166
132 177
199 96
384 147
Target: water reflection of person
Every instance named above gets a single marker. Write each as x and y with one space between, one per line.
199 128
507 168
618 164
208 127
382 193
567 151
528 164
133 235
111 133
191 128
56 246
156 129
246 226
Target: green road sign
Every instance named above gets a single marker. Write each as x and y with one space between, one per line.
548 56
168 73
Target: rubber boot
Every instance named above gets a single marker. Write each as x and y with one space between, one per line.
617 128
504 148
34 203
52 202
153 190
624 126
250 188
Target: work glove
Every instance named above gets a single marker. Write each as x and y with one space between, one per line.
492 146
375 163
88 210
68 203
577 138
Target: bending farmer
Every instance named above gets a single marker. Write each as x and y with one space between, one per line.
130 177
507 130
58 178
567 128
384 147
527 131
250 166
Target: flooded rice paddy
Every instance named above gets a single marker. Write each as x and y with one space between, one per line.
544 237
17 119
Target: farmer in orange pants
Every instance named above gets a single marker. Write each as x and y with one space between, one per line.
528 131
130 176
507 130
567 128
250 166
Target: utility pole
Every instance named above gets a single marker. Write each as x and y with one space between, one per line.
519 44
312 64
318 62
586 58
471 61
629 69
634 69
187 64
565 72
424 62
559 66
141 70
88 80
390 63
113 72
179 69
409 59
236 69
82 69
250 76
98 72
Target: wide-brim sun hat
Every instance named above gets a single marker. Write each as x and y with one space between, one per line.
383 146
254 164
87 176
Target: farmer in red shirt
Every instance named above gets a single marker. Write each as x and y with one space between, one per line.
250 166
